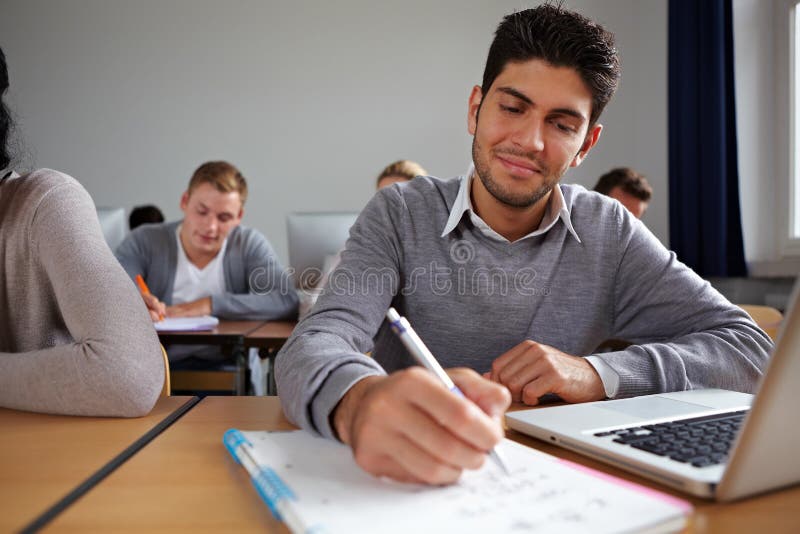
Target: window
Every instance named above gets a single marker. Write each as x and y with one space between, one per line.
767 52
790 191
794 186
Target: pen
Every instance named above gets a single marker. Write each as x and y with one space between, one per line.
145 290
417 348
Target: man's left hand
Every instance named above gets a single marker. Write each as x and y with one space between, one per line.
191 309
531 369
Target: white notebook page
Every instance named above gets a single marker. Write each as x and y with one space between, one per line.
542 494
177 324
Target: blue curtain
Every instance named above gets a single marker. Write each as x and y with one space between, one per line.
704 217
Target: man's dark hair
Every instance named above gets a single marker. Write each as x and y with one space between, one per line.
5 115
562 38
145 215
626 179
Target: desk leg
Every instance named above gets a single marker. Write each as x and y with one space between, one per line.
270 354
267 356
272 388
240 357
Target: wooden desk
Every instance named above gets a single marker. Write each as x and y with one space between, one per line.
226 333
229 334
270 337
43 457
185 480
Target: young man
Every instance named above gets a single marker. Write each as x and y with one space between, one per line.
628 187
508 273
207 264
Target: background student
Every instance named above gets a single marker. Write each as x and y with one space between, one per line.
627 186
148 214
74 336
208 263
400 171
509 273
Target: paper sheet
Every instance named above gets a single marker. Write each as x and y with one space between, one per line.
203 322
542 494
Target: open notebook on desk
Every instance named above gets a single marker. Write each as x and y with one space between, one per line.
314 485
179 324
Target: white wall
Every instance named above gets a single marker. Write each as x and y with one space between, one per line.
309 99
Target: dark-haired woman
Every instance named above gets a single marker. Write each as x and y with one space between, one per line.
75 337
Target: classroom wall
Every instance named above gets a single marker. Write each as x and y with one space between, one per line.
309 99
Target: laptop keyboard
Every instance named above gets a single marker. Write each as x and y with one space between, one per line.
700 441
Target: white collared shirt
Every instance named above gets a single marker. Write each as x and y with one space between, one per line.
556 210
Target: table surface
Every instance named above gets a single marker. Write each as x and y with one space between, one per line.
227 332
270 335
43 457
185 480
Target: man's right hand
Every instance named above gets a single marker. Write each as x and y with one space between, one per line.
157 309
409 427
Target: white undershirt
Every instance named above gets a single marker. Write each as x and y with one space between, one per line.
192 283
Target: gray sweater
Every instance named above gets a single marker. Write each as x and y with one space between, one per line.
257 286
75 337
471 298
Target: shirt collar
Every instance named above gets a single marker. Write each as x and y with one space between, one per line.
556 209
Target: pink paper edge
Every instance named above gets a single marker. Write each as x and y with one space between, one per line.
685 506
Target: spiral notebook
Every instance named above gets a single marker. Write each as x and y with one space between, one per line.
314 485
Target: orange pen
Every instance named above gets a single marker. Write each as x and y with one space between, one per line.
145 290
142 285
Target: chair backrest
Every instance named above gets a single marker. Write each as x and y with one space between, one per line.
166 391
767 318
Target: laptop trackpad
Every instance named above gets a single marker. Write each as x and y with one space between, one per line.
651 407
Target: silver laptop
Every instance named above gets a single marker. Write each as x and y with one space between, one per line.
679 439
313 239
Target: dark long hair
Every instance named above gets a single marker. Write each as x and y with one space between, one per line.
5 115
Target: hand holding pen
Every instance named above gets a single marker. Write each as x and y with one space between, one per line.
424 357
156 308
407 427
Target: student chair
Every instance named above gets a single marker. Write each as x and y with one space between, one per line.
767 318
166 391
197 377
221 381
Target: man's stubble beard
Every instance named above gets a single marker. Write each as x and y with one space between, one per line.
503 195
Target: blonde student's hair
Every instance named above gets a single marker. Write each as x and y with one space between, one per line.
222 175
404 168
